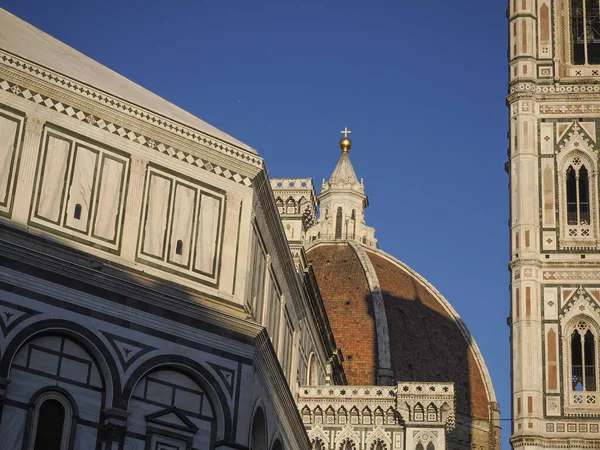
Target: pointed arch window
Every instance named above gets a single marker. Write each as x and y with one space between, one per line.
290 207
578 194
279 204
585 31
583 359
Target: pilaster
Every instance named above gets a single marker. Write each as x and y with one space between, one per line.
27 167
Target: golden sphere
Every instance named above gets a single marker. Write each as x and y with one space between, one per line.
345 144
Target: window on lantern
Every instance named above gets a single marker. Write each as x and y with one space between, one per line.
583 359
585 31
338 223
578 194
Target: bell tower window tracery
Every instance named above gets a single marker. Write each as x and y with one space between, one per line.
578 194
581 365
578 208
583 360
585 31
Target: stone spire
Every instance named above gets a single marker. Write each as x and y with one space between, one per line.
342 203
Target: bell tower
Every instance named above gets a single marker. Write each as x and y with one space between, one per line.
554 120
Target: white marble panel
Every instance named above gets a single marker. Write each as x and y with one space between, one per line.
12 426
53 171
208 234
109 197
80 191
156 215
8 135
550 303
183 223
85 438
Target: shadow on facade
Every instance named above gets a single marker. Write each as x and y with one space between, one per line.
427 345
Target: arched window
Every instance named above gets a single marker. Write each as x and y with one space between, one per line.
585 31
418 413
378 445
317 444
277 445
279 204
77 212
259 431
578 194
431 413
290 207
353 219
419 446
51 420
338 223
430 446
347 445
583 359
179 247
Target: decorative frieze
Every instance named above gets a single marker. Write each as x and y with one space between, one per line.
125 133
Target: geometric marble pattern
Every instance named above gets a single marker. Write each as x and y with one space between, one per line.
226 375
127 350
12 315
123 132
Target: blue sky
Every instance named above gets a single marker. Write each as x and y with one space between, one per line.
420 84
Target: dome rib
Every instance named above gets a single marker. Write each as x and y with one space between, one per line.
385 374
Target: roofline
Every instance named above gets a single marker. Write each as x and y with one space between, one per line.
461 324
443 301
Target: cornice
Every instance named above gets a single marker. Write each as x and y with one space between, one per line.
560 92
92 276
553 443
55 92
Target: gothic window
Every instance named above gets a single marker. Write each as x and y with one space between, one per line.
338 223
419 446
317 444
347 445
353 218
418 413
290 207
430 446
279 204
578 195
378 445
585 31
431 413
583 359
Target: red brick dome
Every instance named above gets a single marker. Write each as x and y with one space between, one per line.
426 338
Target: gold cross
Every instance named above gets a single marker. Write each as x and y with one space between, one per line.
346 132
